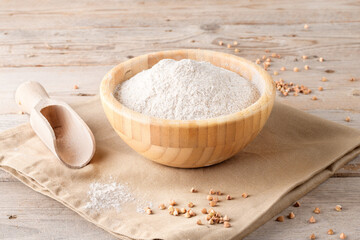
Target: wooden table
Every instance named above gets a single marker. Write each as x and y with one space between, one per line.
62 43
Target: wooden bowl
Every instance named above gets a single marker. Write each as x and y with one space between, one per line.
188 143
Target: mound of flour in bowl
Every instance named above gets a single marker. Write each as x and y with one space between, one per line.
185 90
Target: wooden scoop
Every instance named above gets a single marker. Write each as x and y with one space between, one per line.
57 125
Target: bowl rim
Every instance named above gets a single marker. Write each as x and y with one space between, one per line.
267 97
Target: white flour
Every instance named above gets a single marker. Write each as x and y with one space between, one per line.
185 90
108 196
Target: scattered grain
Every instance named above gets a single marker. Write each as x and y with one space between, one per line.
235 43
291 215
324 79
176 212
342 236
268 60
212 203
76 86
320 88
263 57
190 205
226 218
187 215
211 192
282 69
285 88
258 61
305 57
267 50
347 119
267 64
228 197
338 208
306 67
296 69
227 225
171 209
312 236
312 220
212 211
229 45
296 204
191 212
276 73
321 59
209 198
221 43
172 202
236 50
306 26
204 211
162 206
148 211
198 222
280 219
211 221
244 195
330 232
317 210
193 190
352 79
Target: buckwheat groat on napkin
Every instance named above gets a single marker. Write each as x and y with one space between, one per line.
294 153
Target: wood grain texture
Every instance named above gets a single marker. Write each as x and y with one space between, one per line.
62 43
326 197
39 217
199 142
33 212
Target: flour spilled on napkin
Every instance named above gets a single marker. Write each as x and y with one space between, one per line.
186 90
113 195
108 196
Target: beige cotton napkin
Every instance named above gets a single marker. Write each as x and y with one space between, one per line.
294 153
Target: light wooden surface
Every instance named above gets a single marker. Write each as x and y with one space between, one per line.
62 43
193 143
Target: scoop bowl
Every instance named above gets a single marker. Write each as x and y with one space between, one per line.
188 143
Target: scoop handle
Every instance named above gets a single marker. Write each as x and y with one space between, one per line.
29 94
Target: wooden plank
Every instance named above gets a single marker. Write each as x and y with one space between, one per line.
6 177
343 191
12 120
158 11
352 169
339 93
59 83
39 217
62 43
